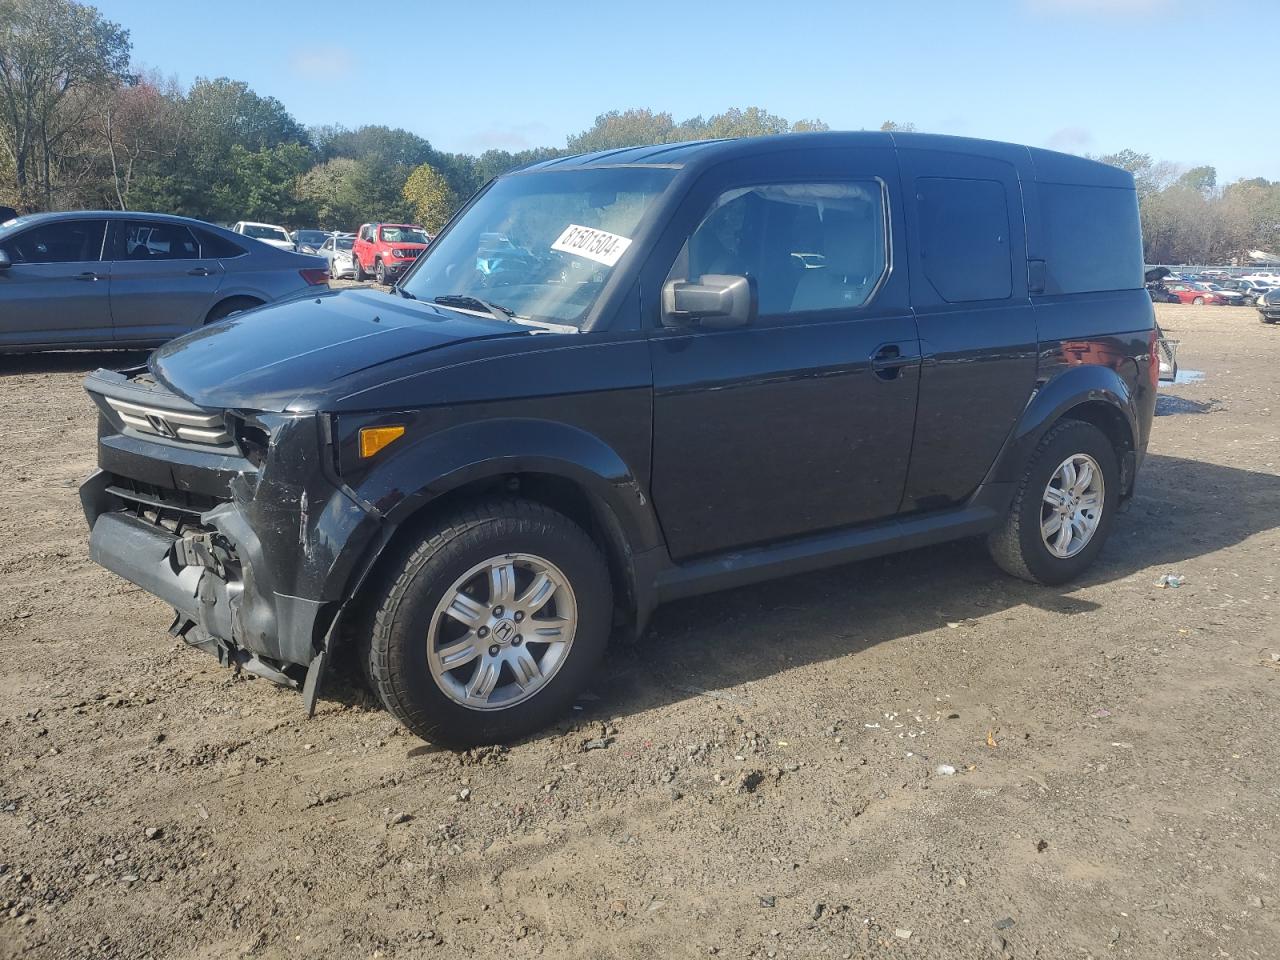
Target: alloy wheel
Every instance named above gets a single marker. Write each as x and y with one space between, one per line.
1072 504
501 631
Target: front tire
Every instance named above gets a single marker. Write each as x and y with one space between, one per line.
380 272
491 624
358 270
1064 506
1198 302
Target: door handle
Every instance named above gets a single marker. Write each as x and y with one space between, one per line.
200 272
889 359
87 276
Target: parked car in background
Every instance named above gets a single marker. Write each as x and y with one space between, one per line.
1247 289
478 481
337 251
266 232
1196 293
386 250
7 214
308 241
1269 306
1225 297
1161 294
111 279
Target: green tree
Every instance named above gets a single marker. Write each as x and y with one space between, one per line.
228 131
336 193
637 127
893 126
262 184
751 122
1201 179
389 145
431 197
54 56
624 128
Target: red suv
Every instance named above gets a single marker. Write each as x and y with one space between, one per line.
386 250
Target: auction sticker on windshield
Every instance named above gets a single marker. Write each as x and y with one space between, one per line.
598 245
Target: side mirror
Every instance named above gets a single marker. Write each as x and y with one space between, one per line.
716 302
5 262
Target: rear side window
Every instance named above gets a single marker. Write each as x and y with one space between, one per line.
809 246
147 240
1093 240
217 247
964 238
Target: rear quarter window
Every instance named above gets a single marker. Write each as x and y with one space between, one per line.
217 247
964 238
1093 240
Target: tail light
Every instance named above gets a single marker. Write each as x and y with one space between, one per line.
315 275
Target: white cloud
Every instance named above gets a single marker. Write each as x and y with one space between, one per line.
1116 7
322 63
514 137
1070 140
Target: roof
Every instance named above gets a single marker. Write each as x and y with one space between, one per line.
30 218
1048 165
109 214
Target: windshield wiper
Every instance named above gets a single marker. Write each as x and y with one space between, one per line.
496 310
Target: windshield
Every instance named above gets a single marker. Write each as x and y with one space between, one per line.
541 245
265 233
404 235
312 238
344 243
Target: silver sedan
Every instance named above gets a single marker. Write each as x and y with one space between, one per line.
100 279
337 250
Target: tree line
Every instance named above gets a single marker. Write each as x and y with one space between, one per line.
79 129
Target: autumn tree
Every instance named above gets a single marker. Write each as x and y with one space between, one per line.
140 125
432 199
55 55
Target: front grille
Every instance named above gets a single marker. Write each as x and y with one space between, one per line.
175 510
203 428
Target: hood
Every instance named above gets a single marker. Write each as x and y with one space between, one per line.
292 355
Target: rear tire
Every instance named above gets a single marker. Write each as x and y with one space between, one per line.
227 307
451 568
1021 546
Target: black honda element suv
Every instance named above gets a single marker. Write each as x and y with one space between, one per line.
626 377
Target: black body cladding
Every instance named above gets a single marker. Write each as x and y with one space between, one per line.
897 412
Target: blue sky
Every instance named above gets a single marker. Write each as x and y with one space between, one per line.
1167 77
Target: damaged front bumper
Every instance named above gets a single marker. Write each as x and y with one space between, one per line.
251 539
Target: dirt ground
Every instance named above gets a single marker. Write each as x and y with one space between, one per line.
768 781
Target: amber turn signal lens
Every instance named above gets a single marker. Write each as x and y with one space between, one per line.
373 439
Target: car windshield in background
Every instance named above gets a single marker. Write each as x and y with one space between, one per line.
312 238
541 245
344 243
265 233
404 235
